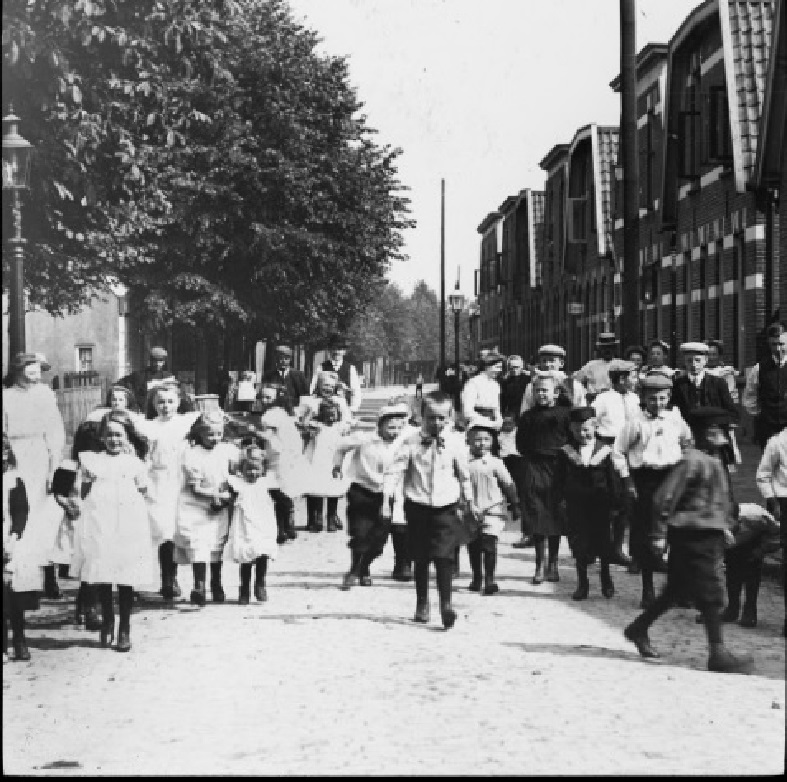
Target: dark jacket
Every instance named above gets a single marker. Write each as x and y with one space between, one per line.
512 389
713 392
295 384
693 495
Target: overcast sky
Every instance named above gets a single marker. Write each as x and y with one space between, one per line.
476 92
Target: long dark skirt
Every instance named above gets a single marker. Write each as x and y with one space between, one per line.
368 532
539 500
694 565
589 525
432 533
647 480
515 466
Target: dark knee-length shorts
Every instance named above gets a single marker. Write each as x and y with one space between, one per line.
432 533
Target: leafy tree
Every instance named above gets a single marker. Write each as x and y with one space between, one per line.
204 154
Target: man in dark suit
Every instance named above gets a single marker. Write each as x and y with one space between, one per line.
293 380
698 388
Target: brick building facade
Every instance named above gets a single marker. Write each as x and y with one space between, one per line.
709 241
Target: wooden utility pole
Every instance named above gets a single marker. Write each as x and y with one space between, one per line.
628 147
442 274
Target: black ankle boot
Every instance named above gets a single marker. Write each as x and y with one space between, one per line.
583 584
607 587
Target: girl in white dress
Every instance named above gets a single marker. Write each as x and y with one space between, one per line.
252 539
167 434
114 542
326 433
203 513
285 465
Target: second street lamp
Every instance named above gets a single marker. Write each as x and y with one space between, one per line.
16 176
456 301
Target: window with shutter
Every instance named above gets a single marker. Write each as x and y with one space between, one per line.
719 136
688 137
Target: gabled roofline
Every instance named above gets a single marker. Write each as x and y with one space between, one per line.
592 132
775 102
553 156
649 54
489 221
510 203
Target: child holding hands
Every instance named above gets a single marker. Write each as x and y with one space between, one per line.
370 455
203 515
252 538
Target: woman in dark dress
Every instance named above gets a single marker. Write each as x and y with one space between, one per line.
542 432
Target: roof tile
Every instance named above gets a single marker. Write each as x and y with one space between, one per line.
750 24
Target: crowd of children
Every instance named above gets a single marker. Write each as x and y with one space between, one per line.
203 488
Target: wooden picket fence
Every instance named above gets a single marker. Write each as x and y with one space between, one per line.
75 403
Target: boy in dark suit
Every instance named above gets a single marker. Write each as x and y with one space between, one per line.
699 388
293 380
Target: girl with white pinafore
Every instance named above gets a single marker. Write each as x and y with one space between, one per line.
167 434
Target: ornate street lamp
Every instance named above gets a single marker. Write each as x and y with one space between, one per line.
16 177
456 301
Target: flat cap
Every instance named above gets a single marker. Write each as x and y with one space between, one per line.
552 350
283 350
619 365
482 422
607 339
397 409
694 347
655 381
158 352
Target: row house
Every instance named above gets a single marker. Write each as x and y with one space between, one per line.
511 248
577 298
771 168
711 148
713 272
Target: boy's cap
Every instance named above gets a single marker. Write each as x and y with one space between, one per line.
607 339
619 365
703 417
552 350
401 409
581 414
515 361
694 347
158 353
482 422
283 350
492 358
655 381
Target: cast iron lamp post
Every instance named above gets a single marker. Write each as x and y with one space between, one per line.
16 177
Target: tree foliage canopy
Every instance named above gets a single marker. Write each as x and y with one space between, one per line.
206 155
406 328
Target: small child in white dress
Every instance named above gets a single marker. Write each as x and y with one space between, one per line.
493 489
114 543
203 505
253 532
327 432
